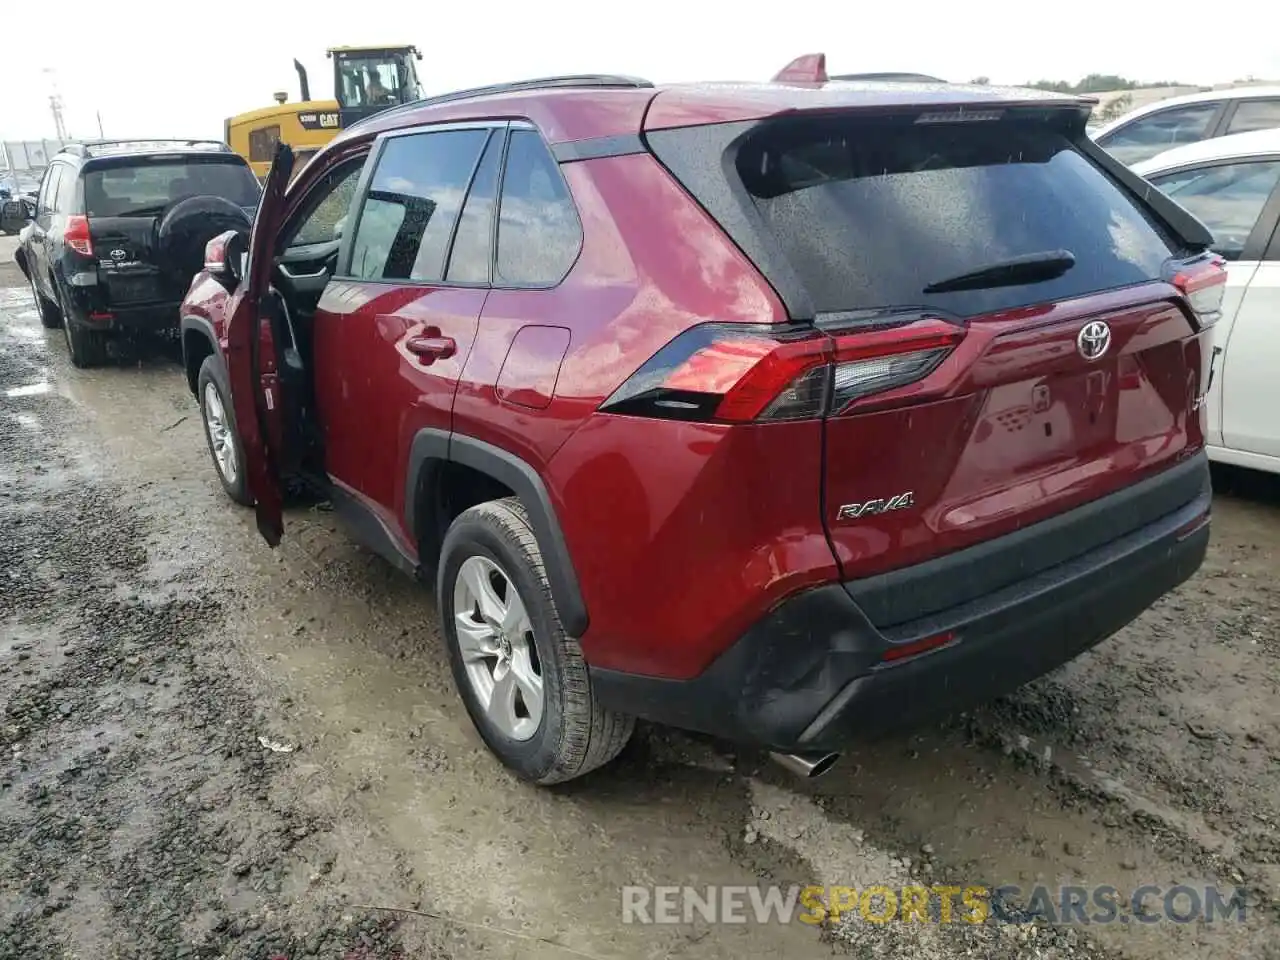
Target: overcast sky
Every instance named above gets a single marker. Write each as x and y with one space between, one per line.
152 72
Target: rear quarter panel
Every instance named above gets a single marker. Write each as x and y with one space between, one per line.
206 301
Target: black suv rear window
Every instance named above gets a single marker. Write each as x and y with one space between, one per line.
146 188
870 213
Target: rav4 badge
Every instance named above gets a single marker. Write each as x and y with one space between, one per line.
869 508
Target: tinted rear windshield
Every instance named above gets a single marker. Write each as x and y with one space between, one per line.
146 188
871 213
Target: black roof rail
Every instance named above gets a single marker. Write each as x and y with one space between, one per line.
582 81
90 148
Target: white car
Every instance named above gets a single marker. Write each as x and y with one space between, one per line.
1232 184
1165 124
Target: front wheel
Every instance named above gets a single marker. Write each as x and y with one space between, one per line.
521 677
220 430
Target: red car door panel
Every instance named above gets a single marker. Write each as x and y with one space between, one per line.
251 357
393 334
398 351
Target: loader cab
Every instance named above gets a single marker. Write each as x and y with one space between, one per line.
367 80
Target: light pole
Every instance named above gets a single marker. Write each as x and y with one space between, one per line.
55 104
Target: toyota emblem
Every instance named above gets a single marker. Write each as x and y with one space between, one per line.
118 254
1093 340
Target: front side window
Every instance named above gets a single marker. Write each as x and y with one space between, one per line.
1227 198
1158 132
539 234
414 197
326 219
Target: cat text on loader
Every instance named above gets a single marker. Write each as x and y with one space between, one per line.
365 81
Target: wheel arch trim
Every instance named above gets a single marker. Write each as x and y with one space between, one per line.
431 447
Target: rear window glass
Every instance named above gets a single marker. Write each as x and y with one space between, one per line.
147 188
870 214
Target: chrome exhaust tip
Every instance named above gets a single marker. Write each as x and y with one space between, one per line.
807 767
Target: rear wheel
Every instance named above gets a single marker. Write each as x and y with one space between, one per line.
522 678
50 315
88 348
220 430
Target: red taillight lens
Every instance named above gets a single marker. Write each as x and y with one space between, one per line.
736 373
1203 282
77 235
215 254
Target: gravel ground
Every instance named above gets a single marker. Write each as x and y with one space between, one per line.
209 749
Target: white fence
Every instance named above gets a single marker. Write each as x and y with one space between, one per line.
27 156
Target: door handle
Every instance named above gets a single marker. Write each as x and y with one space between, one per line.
432 348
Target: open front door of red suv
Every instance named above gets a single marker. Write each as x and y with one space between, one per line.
251 356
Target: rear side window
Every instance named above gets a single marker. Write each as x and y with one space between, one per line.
262 144
1227 198
472 252
870 214
1255 115
1158 132
145 189
49 189
66 191
412 204
538 231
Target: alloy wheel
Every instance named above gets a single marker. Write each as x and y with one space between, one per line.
220 437
495 640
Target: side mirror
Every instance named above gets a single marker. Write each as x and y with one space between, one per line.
29 208
226 256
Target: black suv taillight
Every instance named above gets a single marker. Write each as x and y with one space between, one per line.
736 373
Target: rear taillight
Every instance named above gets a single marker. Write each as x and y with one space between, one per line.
1203 282
77 235
736 374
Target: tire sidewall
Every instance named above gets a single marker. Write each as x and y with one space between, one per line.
212 372
471 536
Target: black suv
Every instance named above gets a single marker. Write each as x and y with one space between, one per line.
118 231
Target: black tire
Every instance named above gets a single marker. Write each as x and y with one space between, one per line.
575 734
213 377
87 347
50 315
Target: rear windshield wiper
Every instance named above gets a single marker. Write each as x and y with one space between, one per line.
1028 268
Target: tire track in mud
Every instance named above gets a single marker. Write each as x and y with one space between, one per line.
138 814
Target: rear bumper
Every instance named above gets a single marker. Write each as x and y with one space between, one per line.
89 309
810 676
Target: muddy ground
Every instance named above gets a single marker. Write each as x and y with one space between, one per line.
148 640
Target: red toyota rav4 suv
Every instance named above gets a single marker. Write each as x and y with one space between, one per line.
787 412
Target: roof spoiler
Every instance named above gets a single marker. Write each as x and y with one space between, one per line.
1184 224
810 68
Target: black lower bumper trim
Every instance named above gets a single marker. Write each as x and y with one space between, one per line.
809 677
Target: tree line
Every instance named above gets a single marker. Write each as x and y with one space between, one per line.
1093 83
